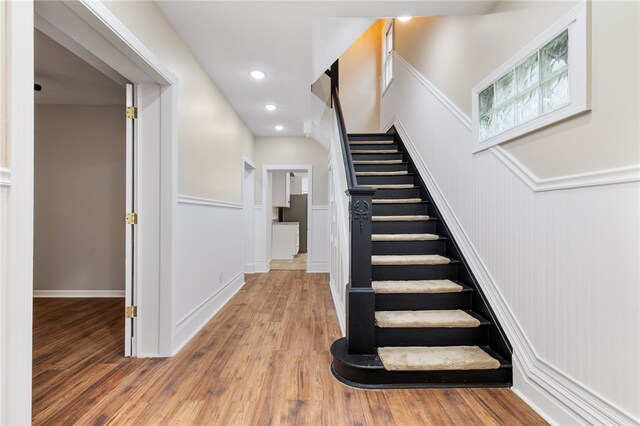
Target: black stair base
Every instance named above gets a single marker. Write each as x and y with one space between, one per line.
367 372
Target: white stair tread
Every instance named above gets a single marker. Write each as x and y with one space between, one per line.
371 143
397 200
404 237
416 286
436 358
422 259
377 161
398 173
454 318
403 218
374 151
393 186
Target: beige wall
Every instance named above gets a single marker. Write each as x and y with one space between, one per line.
455 53
292 150
211 137
79 197
360 68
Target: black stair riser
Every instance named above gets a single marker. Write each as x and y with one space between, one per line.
382 379
421 227
376 147
366 371
400 209
376 157
431 336
408 247
398 167
396 193
423 301
414 272
369 137
385 180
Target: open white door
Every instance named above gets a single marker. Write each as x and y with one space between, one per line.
131 310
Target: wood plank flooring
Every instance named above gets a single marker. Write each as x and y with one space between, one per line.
262 360
298 263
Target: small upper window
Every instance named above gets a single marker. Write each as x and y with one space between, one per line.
535 87
387 66
544 83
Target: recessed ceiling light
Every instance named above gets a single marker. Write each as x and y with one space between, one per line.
279 128
270 107
258 75
404 18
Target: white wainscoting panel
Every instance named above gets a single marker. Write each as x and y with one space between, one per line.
319 251
560 268
208 262
260 232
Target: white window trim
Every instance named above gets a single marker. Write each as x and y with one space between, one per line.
384 81
576 21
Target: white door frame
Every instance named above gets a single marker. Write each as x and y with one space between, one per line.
248 211
267 169
92 32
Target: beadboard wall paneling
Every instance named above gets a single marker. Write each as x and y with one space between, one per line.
560 268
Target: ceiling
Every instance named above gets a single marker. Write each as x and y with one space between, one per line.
68 80
292 41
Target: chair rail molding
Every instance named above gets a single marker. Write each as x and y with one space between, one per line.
199 201
594 178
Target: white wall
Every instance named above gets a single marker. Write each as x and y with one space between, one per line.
211 137
560 268
208 260
360 67
79 198
456 53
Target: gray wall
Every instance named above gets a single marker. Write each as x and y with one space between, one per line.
79 197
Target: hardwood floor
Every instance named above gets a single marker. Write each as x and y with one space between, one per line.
298 263
263 359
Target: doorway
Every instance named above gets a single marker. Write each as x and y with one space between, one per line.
83 151
288 195
90 31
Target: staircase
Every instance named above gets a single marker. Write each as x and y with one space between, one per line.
415 314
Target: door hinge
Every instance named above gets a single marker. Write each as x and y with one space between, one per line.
131 312
132 218
132 112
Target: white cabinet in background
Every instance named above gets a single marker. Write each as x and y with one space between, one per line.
296 185
285 240
281 186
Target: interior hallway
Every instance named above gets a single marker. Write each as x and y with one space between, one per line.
263 359
298 263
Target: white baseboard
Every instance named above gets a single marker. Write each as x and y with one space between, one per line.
192 323
319 267
249 268
78 293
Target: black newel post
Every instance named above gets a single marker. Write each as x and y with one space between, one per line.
360 296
